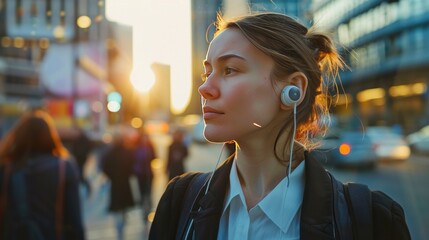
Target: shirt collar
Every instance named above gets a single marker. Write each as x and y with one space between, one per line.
290 199
234 187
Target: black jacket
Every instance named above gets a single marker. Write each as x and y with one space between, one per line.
316 213
118 167
41 179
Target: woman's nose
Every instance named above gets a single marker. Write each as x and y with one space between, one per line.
208 91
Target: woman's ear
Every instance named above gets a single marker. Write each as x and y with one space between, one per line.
299 80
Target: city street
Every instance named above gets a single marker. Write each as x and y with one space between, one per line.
403 181
100 224
112 69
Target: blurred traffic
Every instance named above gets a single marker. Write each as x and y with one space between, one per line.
419 141
367 147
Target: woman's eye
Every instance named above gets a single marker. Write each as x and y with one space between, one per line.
229 70
226 71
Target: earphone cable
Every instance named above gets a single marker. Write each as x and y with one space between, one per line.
289 168
205 192
217 163
292 145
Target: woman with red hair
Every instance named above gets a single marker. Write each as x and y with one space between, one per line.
39 183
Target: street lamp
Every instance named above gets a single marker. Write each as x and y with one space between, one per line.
83 22
114 100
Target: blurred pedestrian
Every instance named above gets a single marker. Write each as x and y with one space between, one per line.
39 183
265 88
80 149
177 153
144 155
118 166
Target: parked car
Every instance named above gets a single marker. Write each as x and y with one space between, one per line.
389 145
346 148
419 141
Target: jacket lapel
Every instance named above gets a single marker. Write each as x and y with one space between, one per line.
317 206
207 219
316 212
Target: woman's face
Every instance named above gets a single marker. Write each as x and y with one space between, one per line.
239 98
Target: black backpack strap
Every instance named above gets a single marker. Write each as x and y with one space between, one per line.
341 217
191 196
359 200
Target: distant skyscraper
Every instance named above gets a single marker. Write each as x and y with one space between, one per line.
159 98
203 16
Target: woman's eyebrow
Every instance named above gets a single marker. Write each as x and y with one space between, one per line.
224 58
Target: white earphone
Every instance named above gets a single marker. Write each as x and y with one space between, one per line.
290 95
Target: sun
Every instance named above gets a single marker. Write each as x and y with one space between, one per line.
163 35
142 79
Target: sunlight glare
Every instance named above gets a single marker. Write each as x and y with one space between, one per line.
142 80
162 34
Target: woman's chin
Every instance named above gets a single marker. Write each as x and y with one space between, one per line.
214 138
216 135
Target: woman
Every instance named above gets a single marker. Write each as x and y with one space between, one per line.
263 89
35 172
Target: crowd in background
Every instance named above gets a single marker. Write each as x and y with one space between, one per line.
49 169
130 155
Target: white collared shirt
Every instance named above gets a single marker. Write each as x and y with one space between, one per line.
266 220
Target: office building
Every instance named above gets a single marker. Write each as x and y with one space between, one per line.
384 42
53 55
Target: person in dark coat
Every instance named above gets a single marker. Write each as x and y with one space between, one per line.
177 153
117 164
144 155
33 157
81 148
266 84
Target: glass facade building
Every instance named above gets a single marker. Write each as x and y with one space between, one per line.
53 56
385 45
203 16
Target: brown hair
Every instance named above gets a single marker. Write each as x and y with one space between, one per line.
33 134
294 48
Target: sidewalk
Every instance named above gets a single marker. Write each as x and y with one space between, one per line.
99 223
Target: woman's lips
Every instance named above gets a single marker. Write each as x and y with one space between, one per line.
211 113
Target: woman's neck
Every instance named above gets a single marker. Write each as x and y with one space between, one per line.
260 173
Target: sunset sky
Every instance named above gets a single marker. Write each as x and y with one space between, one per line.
161 33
